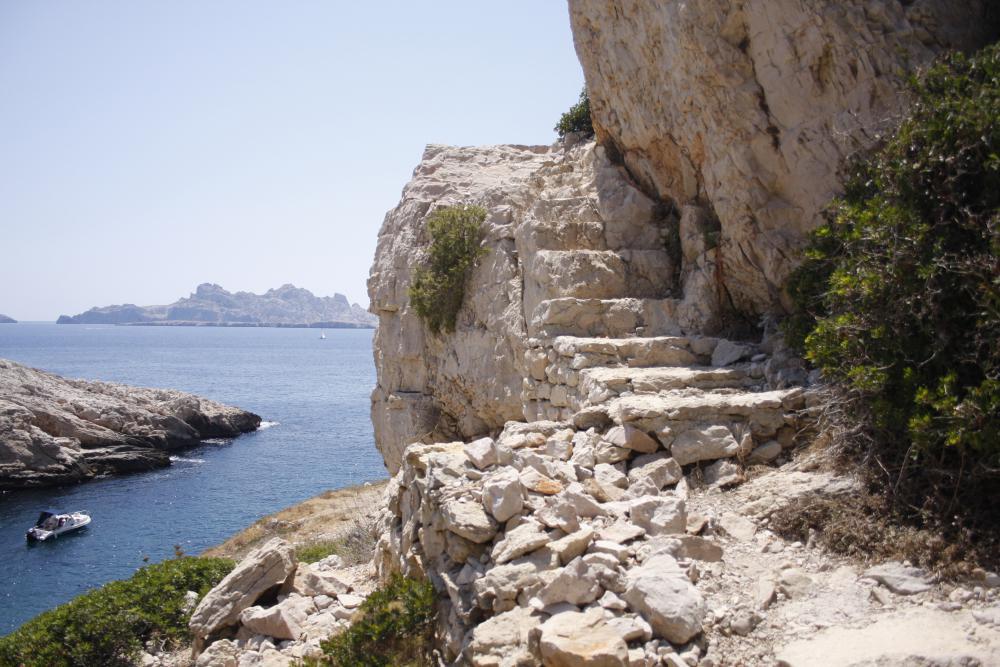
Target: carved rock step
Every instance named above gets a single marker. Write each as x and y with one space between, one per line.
614 318
633 352
764 411
600 384
597 274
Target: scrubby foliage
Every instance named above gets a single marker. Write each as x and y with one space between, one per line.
577 119
394 627
108 626
355 545
438 287
900 296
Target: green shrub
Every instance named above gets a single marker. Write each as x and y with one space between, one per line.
438 288
577 119
899 297
394 627
109 625
315 551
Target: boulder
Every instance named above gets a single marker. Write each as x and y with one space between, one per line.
468 519
630 437
581 639
524 539
311 580
899 578
659 515
284 620
502 494
660 468
662 593
481 452
575 584
261 570
222 653
704 443
502 641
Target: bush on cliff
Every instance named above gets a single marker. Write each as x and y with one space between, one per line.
438 287
394 627
899 298
577 119
108 626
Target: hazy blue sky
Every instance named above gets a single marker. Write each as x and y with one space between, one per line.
146 147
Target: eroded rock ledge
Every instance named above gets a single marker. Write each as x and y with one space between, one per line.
55 430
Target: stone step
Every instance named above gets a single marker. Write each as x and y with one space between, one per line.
600 384
644 352
764 411
613 318
600 274
559 209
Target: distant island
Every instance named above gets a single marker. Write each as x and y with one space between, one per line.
211 305
7 320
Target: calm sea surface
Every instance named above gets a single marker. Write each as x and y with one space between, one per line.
313 393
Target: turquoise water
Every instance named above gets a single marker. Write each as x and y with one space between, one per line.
314 392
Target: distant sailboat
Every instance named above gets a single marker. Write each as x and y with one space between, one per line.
322 335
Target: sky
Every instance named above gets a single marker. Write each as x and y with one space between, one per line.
147 147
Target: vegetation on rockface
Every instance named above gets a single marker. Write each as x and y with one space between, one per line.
394 627
108 626
577 119
438 287
899 300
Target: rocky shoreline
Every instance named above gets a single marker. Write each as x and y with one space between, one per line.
55 430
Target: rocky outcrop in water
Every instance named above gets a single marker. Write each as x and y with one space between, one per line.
55 430
7 320
749 109
211 305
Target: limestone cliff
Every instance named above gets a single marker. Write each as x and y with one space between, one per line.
749 108
575 248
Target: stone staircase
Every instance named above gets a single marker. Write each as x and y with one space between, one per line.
605 343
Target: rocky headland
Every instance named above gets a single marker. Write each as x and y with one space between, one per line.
211 305
7 320
55 430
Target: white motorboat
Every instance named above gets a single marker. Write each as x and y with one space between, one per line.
53 524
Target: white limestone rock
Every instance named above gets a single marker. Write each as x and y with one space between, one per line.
262 569
575 639
659 515
468 519
503 494
661 591
704 443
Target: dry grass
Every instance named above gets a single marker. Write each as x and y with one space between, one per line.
344 517
863 527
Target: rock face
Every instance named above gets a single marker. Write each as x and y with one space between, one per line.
211 305
742 113
7 320
55 430
575 249
599 401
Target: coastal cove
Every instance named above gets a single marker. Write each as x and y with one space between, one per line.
313 395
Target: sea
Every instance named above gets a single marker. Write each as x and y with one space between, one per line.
312 393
